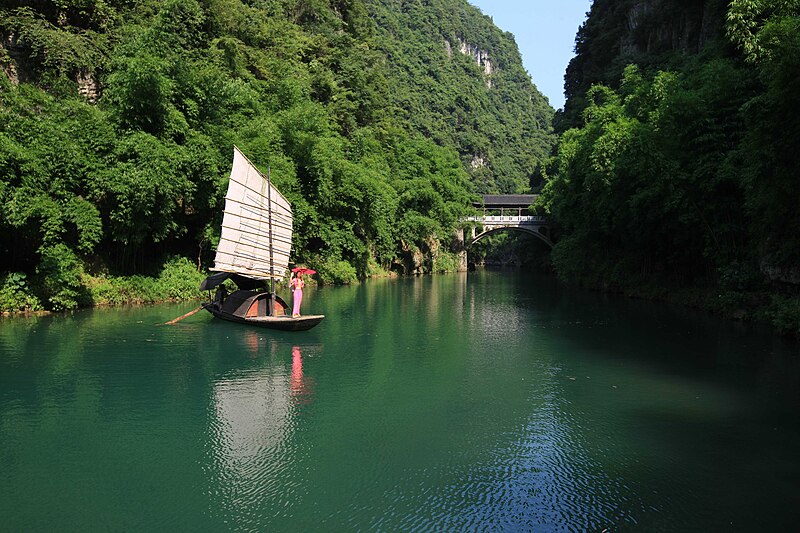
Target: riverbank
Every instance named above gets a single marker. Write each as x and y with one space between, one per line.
777 306
779 309
70 286
178 280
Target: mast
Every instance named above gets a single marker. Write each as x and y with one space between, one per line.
269 218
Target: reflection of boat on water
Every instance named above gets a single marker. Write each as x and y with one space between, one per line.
254 248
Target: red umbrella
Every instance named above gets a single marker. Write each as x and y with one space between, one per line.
301 271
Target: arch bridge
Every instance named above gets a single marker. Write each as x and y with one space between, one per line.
502 212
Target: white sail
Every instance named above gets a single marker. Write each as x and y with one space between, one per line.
257 225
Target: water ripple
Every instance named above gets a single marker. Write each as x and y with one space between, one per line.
450 406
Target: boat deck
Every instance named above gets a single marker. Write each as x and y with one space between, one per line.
287 318
284 322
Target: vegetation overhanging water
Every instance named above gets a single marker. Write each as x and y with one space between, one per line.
671 167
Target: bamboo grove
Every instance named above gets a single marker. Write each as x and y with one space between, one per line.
117 121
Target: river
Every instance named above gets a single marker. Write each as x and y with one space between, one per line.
488 401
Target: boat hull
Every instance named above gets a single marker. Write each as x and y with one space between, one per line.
282 323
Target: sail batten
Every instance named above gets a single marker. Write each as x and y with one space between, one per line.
284 223
279 200
256 226
247 226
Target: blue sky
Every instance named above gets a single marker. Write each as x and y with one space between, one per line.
545 33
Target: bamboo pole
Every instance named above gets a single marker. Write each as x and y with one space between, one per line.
176 320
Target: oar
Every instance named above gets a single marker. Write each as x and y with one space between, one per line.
176 320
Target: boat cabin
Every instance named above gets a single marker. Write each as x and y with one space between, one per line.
250 304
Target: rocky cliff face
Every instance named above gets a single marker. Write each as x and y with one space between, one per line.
481 57
649 33
656 26
9 58
13 64
23 51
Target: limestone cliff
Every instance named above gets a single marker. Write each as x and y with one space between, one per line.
653 34
450 60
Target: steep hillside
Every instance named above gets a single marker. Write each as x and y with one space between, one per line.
653 34
676 172
459 79
380 121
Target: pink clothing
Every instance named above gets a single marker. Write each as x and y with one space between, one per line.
297 295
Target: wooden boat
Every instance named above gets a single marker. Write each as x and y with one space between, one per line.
253 251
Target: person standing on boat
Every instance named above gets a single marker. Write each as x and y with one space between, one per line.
297 284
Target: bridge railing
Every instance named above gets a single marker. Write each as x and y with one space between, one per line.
524 219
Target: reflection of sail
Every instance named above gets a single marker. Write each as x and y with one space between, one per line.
251 433
252 425
250 413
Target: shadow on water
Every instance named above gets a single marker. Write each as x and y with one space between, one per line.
668 398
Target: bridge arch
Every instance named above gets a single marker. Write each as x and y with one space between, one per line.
502 212
535 231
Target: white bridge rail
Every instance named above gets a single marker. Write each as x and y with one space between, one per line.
535 224
506 220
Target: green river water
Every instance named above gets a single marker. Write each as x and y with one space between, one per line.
488 401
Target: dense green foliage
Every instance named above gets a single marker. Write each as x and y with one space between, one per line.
117 121
443 55
675 172
652 34
683 171
177 279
